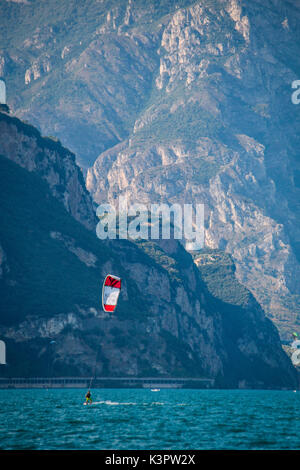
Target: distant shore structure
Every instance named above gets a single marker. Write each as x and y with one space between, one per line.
2 91
2 353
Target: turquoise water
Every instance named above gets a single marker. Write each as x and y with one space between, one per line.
141 419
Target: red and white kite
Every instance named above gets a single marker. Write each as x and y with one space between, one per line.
110 292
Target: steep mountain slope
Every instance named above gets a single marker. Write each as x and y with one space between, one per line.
78 69
220 128
23 144
167 322
188 102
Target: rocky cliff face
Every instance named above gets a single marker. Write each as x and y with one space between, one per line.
24 145
189 103
168 322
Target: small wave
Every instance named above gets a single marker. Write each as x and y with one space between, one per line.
111 403
155 403
117 403
108 402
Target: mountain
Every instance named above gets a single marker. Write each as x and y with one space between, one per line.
185 102
168 322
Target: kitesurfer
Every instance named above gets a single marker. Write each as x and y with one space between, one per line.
88 397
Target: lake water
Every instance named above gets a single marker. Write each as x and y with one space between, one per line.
141 419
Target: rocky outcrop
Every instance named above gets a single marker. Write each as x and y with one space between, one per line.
24 145
37 69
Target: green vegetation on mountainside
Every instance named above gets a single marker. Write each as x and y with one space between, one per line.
218 272
41 276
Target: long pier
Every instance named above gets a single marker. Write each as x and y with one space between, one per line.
104 382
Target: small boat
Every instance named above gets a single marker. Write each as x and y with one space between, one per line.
155 389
